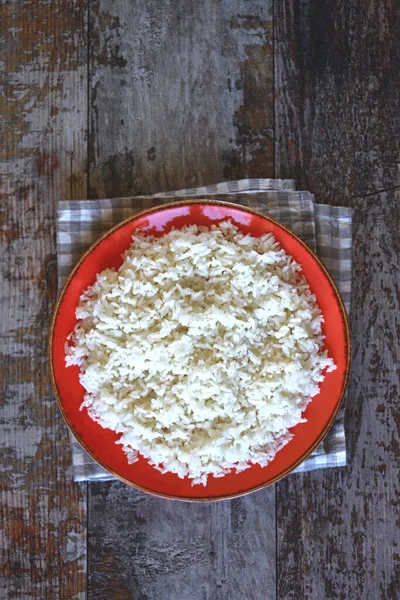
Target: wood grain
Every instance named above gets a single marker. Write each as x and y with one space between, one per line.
337 133
337 89
180 95
338 530
150 548
43 157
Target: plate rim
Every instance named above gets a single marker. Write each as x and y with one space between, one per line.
343 312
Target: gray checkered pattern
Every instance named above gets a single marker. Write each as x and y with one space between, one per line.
326 229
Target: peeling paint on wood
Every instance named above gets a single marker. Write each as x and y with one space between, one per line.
165 550
337 132
180 94
339 529
186 83
42 159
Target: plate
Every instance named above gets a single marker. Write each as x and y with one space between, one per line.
100 443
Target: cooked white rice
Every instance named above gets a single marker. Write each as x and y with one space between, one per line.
202 350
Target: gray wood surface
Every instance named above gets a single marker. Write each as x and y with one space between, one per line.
42 158
337 92
113 98
337 132
338 529
142 548
180 95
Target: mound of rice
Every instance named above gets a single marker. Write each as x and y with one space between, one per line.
202 350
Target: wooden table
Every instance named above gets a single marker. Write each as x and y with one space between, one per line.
118 97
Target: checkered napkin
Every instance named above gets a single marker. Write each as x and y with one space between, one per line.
326 229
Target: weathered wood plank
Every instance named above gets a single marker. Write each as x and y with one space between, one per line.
338 530
337 90
337 133
143 548
43 157
181 95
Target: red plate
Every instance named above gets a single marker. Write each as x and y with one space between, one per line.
100 443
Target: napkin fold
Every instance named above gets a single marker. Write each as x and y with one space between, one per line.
326 229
